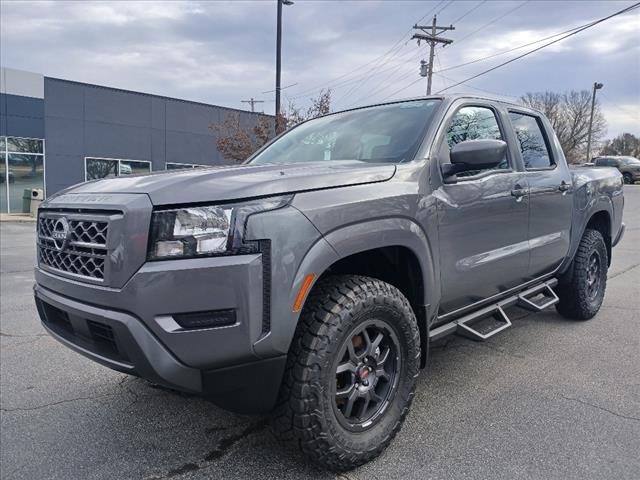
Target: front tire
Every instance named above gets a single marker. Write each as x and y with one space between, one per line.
351 372
628 178
582 297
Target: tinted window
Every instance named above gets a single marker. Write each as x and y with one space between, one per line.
475 123
531 139
605 162
384 133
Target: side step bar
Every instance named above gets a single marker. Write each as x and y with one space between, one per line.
539 299
486 322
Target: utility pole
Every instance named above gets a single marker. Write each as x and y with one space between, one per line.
252 102
432 39
596 86
279 59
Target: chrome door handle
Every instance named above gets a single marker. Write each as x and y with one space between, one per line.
519 192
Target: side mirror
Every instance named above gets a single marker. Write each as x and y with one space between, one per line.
474 155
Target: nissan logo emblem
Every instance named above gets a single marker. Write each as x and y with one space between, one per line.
60 233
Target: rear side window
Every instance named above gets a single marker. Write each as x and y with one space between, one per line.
533 145
475 123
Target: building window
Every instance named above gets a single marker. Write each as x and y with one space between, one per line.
21 171
182 166
96 168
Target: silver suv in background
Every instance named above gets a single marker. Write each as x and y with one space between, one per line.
629 167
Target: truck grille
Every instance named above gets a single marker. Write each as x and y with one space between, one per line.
74 246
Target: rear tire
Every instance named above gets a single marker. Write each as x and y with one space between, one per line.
351 372
581 298
628 178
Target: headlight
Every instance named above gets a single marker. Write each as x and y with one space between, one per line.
206 230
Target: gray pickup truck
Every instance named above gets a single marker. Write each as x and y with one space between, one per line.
310 281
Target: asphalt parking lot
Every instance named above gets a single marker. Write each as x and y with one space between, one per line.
548 398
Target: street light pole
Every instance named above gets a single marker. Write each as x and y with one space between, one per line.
279 59
596 86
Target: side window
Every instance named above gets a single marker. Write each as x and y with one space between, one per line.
533 146
475 123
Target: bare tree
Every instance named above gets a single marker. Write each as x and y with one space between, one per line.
624 144
569 116
237 142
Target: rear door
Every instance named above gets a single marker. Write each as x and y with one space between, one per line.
550 191
482 216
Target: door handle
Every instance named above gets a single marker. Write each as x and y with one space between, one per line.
564 186
518 192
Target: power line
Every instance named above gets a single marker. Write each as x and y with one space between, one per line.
442 9
592 24
500 17
509 50
635 117
477 88
473 9
402 89
573 32
372 70
359 79
375 60
393 79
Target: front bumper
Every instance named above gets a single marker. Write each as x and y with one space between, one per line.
126 329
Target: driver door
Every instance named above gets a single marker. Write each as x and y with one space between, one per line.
482 216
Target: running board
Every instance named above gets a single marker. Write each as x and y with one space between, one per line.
486 322
539 299
480 327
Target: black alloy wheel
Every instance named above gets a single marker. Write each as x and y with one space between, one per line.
366 375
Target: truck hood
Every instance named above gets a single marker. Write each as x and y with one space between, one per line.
235 182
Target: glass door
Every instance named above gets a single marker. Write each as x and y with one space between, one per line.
22 171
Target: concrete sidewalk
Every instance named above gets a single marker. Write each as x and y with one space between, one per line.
6 217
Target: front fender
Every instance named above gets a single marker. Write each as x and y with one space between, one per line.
341 243
391 232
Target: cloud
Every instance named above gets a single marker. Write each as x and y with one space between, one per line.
223 52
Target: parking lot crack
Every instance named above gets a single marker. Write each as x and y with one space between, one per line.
619 415
224 445
32 335
53 404
622 272
227 442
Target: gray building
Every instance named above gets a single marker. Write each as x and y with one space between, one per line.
56 133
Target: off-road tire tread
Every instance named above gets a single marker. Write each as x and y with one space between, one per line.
297 417
574 303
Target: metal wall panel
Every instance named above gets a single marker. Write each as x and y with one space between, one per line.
82 120
21 116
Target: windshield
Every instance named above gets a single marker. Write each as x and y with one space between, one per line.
385 133
629 161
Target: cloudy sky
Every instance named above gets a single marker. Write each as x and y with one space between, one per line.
223 52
